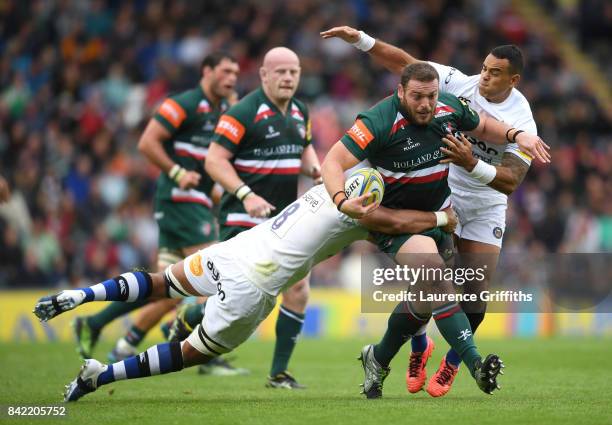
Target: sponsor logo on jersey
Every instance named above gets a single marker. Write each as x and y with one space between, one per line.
172 112
263 112
230 128
195 265
449 75
272 133
360 134
411 144
498 232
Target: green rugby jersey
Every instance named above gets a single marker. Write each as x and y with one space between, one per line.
408 156
267 147
191 119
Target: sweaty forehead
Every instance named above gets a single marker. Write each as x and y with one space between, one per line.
493 62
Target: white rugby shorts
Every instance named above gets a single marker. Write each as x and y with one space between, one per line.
479 220
235 306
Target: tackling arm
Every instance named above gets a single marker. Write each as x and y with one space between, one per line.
396 222
510 174
391 57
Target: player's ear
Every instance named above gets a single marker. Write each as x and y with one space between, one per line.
400 91
263 72
515 80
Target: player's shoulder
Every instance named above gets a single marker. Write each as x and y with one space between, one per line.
519 102
188 99
383 113
299 104
246 108
449 103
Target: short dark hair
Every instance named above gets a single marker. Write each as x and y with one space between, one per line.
213 59
513 54
420 71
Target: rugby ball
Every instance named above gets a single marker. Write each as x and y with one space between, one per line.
365 180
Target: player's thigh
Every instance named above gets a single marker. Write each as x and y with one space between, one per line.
196 274
480 256
231 317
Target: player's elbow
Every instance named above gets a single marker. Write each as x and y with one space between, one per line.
508 187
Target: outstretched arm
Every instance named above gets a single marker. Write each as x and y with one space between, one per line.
499 133
391 57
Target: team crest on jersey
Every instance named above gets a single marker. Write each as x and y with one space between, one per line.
263 112
498 232
448 128
203 107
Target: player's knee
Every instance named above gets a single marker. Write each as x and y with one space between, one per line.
296 297
191 356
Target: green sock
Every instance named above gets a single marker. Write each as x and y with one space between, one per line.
454 326
116 309
288 327
135 335
194 314
402 324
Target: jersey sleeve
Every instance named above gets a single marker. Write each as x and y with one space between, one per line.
451 79
468 118
231 129
528 125
361 139
171 114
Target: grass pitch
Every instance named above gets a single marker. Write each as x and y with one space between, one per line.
556 381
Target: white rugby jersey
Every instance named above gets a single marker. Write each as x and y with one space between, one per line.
514 111
279 252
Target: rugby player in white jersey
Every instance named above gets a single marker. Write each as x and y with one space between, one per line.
478 196
242 276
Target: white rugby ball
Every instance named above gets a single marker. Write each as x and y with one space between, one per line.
365 180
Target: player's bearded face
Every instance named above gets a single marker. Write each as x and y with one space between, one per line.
282 80
418 99
224 76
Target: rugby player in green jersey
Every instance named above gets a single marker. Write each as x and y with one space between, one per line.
176 140
480 203
402 138
261 146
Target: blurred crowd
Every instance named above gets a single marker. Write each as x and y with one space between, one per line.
80 78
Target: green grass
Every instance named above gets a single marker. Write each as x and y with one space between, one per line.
558 381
